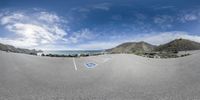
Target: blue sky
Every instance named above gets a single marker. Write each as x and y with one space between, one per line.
96 24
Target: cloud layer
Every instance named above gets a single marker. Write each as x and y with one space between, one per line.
42 29
32 29
39 29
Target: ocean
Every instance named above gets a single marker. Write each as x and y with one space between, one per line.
74 52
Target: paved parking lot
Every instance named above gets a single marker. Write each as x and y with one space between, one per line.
116 77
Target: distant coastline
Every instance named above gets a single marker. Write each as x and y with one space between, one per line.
71 53
168 50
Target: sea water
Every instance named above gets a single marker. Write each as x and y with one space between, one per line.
70 52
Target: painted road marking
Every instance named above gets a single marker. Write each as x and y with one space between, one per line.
75 67
106 59
90 65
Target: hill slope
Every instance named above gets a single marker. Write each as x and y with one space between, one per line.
179 45
10 48
132 47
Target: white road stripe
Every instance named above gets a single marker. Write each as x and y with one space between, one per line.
106 59
74 64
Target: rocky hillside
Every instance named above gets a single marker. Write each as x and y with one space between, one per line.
10 48
132 47
179 45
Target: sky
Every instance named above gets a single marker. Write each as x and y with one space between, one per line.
96 24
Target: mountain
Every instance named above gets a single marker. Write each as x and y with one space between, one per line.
179 45
132 47
10 48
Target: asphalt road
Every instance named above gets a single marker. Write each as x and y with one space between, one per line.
116 77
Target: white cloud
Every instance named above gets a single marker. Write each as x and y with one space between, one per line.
140 16
32 29
80 35
184 16
163 19
15 17
188 17
102 6
88 8
167 7
81 9
163 7
18 42
48 17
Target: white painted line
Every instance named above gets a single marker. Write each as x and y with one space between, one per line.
74 64
106 59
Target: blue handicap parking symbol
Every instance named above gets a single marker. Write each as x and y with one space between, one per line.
90 65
